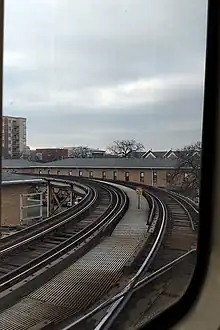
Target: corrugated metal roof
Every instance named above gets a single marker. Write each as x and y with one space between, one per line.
113 162
10 163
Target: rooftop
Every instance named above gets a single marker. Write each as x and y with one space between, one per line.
17 163
14 117
113 162
12 178
103 162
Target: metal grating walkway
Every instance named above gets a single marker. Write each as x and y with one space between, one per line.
85 281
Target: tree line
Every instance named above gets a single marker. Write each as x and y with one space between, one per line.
119 148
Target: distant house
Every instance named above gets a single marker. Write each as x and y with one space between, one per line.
170 154
96 153
51 154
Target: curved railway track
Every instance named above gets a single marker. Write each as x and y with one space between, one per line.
67 239
180 236
169 251
169 244
37 228
33 310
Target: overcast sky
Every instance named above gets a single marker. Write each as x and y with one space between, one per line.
86 72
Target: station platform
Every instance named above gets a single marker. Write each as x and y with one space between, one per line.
133 224
88 279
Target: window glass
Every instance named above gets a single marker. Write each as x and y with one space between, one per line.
112 90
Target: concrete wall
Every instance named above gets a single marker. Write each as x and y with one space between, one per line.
10 203
134 174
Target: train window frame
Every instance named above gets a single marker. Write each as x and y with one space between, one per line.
175 316
177 311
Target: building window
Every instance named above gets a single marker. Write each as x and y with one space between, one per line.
58 172
168 178
49 172
91 174
141 176
126 176
70 172
154 178
104 174
80 173
115 175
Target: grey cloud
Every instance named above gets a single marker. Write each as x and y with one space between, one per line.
162 128
71 45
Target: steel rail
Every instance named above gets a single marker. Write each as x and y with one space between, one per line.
107 219
125 294
52 228
141 283
114 310
119 301
152 211
32 266
27 232
185 209
187 200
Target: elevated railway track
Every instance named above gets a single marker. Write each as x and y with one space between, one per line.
37 228
70 237
109 280
176 248
180 236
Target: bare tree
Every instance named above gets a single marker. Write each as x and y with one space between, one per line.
188 169
80 152
125 148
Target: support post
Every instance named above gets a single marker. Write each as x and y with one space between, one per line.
138 202
41 205
49 199
56 199
139 194
21 209
72 194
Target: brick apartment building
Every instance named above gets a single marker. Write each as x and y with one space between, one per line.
14 138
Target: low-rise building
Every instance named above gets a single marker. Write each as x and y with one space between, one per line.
51 154
151 171
13 186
